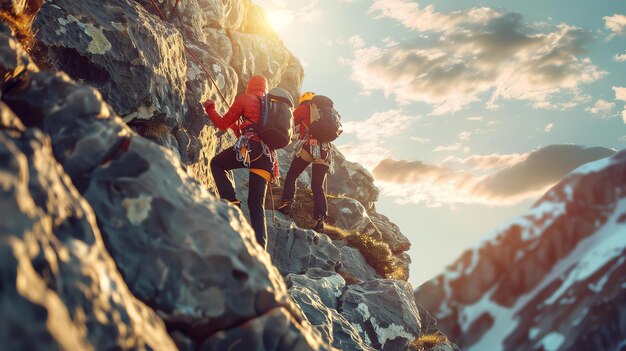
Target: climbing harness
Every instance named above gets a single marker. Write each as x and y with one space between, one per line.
193 56
316 152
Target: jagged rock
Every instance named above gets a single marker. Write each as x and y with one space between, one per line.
134 59
274 331
258 54
353 263
328 286
180 228
551 277
391 233
52 102
295 250
291 79
60 288
350 214
316 312
202 13
333 327
352 180
385 312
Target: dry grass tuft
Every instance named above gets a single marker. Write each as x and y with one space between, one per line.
376 253
426 342
22 27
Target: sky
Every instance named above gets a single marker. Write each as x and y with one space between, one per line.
464 111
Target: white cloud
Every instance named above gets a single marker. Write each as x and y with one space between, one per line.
421 140
356 41
620 58
616 24
465 135
474 54
367 153
381 125
620 93
493 180
447 148
601 108
479 164
475 118
548 127
373 134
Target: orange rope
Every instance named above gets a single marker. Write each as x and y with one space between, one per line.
195 58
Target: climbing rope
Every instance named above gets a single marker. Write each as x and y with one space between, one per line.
195 58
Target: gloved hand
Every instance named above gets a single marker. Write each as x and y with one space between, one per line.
209 105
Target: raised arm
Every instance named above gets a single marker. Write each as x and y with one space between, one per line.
233 114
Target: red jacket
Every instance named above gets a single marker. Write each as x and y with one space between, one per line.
302 117
247 105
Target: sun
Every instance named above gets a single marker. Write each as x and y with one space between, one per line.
279 20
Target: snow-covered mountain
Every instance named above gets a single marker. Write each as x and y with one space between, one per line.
553 279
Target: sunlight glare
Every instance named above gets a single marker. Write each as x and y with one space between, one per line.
279 20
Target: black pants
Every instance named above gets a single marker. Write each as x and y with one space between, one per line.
226 161
320 171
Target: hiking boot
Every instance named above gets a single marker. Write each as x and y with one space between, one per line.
285 208
319 226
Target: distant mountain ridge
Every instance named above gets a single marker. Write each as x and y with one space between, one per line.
553 279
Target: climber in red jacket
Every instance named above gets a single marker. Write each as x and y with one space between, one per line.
249 151
309 151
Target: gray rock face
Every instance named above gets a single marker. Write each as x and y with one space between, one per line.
274 331
353 263
60 287
349 214
328 286
353 180
134 59
332 326
163 229
388 320
295 250
391 233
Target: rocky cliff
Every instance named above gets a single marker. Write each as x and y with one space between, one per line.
551 280
111 235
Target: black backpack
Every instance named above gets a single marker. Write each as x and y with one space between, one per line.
275 125
325 120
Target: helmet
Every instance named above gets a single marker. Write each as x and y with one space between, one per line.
306 97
